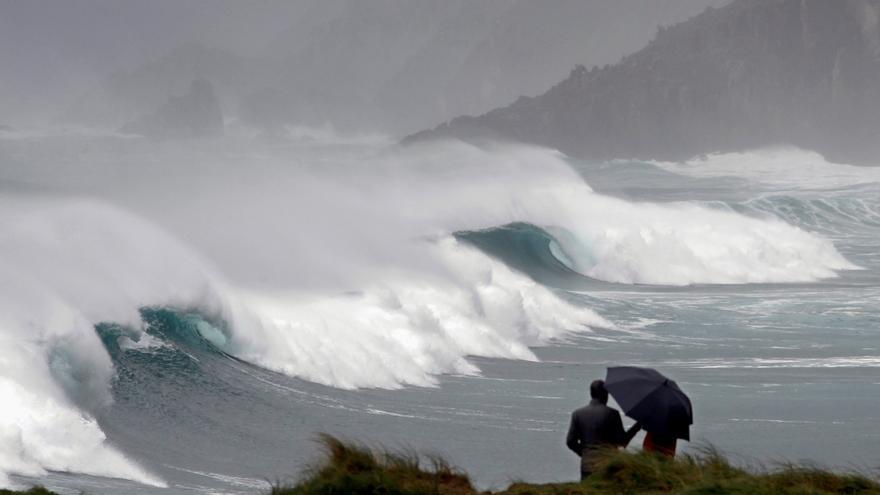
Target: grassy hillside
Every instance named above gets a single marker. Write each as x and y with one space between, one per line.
355 469
37 490
351 469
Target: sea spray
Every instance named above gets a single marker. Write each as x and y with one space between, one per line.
67 265
336 266
410 327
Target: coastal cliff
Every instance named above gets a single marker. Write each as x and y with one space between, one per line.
753 73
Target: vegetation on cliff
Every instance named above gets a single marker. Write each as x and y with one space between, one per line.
355 469
352 469
37 490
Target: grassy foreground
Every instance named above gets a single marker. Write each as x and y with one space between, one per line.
37 490
354 469
351 469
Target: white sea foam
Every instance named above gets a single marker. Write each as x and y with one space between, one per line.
683 243
67 265
785 167
760 363
409 328
70 264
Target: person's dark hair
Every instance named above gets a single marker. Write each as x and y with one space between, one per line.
598 391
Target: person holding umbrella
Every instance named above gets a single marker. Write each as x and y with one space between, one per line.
596 426
656 402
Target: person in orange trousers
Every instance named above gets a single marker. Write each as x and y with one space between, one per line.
660 443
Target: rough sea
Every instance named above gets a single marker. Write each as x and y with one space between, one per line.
181 317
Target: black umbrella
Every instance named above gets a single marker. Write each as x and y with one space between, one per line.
651 399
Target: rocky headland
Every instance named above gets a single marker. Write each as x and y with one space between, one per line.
750 74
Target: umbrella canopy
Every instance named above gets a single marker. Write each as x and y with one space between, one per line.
652 399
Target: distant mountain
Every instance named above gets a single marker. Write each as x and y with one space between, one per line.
750 74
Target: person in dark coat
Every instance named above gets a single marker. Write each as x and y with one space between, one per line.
596 426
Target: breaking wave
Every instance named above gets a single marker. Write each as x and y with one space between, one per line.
342 270
72 265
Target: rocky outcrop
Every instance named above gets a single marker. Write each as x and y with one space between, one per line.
129 94
750 74
195 114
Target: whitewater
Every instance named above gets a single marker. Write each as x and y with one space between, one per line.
183 317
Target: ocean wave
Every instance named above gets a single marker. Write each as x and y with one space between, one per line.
781 362
663 244
342 271
408 329
833 215
74 265
67 265
686 243
780 167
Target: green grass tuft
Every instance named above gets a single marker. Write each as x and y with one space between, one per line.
355 469
349 468
37 490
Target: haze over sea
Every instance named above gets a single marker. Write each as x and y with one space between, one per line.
209 306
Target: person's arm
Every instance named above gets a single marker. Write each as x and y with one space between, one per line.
573 439
616 434
630 433
623 437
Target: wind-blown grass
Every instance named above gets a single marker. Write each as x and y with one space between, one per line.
37 490
353 469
